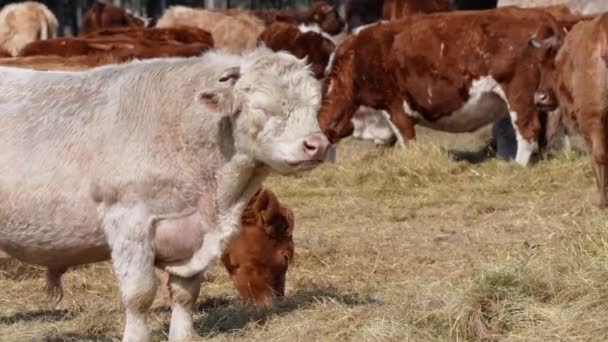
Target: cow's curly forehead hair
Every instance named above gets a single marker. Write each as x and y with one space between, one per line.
295 73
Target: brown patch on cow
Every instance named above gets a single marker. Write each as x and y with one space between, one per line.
397 9
320 13
103 15
311 45
125 48
176 35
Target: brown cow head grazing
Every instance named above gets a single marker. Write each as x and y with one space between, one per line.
257 259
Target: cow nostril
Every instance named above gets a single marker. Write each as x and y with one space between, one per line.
310 147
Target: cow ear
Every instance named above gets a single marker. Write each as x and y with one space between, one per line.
267 207
230 75
221 99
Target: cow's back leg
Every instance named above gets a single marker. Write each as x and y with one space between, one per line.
129 236
402 124
184 293
597 140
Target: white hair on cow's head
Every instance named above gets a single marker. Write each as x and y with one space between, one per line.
358 30
279 99
317 29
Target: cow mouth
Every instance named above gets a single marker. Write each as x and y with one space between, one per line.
305 163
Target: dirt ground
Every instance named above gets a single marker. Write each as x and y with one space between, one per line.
391 245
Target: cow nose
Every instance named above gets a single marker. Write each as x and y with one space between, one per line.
540 98
316 146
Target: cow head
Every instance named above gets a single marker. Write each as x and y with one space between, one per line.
317 49
257 259
339 94
327 17
546 44
272 100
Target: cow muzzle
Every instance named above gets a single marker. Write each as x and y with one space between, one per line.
316 147
545 100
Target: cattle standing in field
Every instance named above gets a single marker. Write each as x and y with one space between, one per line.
575 80
321 14
452 72
258 257
23 23
578 6
111 161
302 42
103 16
231 33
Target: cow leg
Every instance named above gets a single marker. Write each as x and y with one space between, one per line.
598 154
130 239
526 145
402 125
184 293
202 258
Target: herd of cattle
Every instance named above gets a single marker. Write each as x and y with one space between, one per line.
112 150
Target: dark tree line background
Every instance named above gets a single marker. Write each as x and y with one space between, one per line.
70 12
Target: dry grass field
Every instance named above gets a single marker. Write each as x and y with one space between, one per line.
390 246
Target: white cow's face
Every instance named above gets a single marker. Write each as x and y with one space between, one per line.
276 124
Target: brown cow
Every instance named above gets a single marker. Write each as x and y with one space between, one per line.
454 72
575 80
397 9
321 13
25 22
183 35
103 15
302 43
68 47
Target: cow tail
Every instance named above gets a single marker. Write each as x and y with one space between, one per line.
54 285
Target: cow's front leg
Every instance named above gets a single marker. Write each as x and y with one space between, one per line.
183 293
402 124
210 250
129 236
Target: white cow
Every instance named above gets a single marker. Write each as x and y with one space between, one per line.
99 164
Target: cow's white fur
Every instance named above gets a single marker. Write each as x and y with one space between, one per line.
314 27
487 102
91 161
373 125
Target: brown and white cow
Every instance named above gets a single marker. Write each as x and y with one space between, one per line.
104 15
102 163
23 23
320 14
454 72
301 41
576 81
